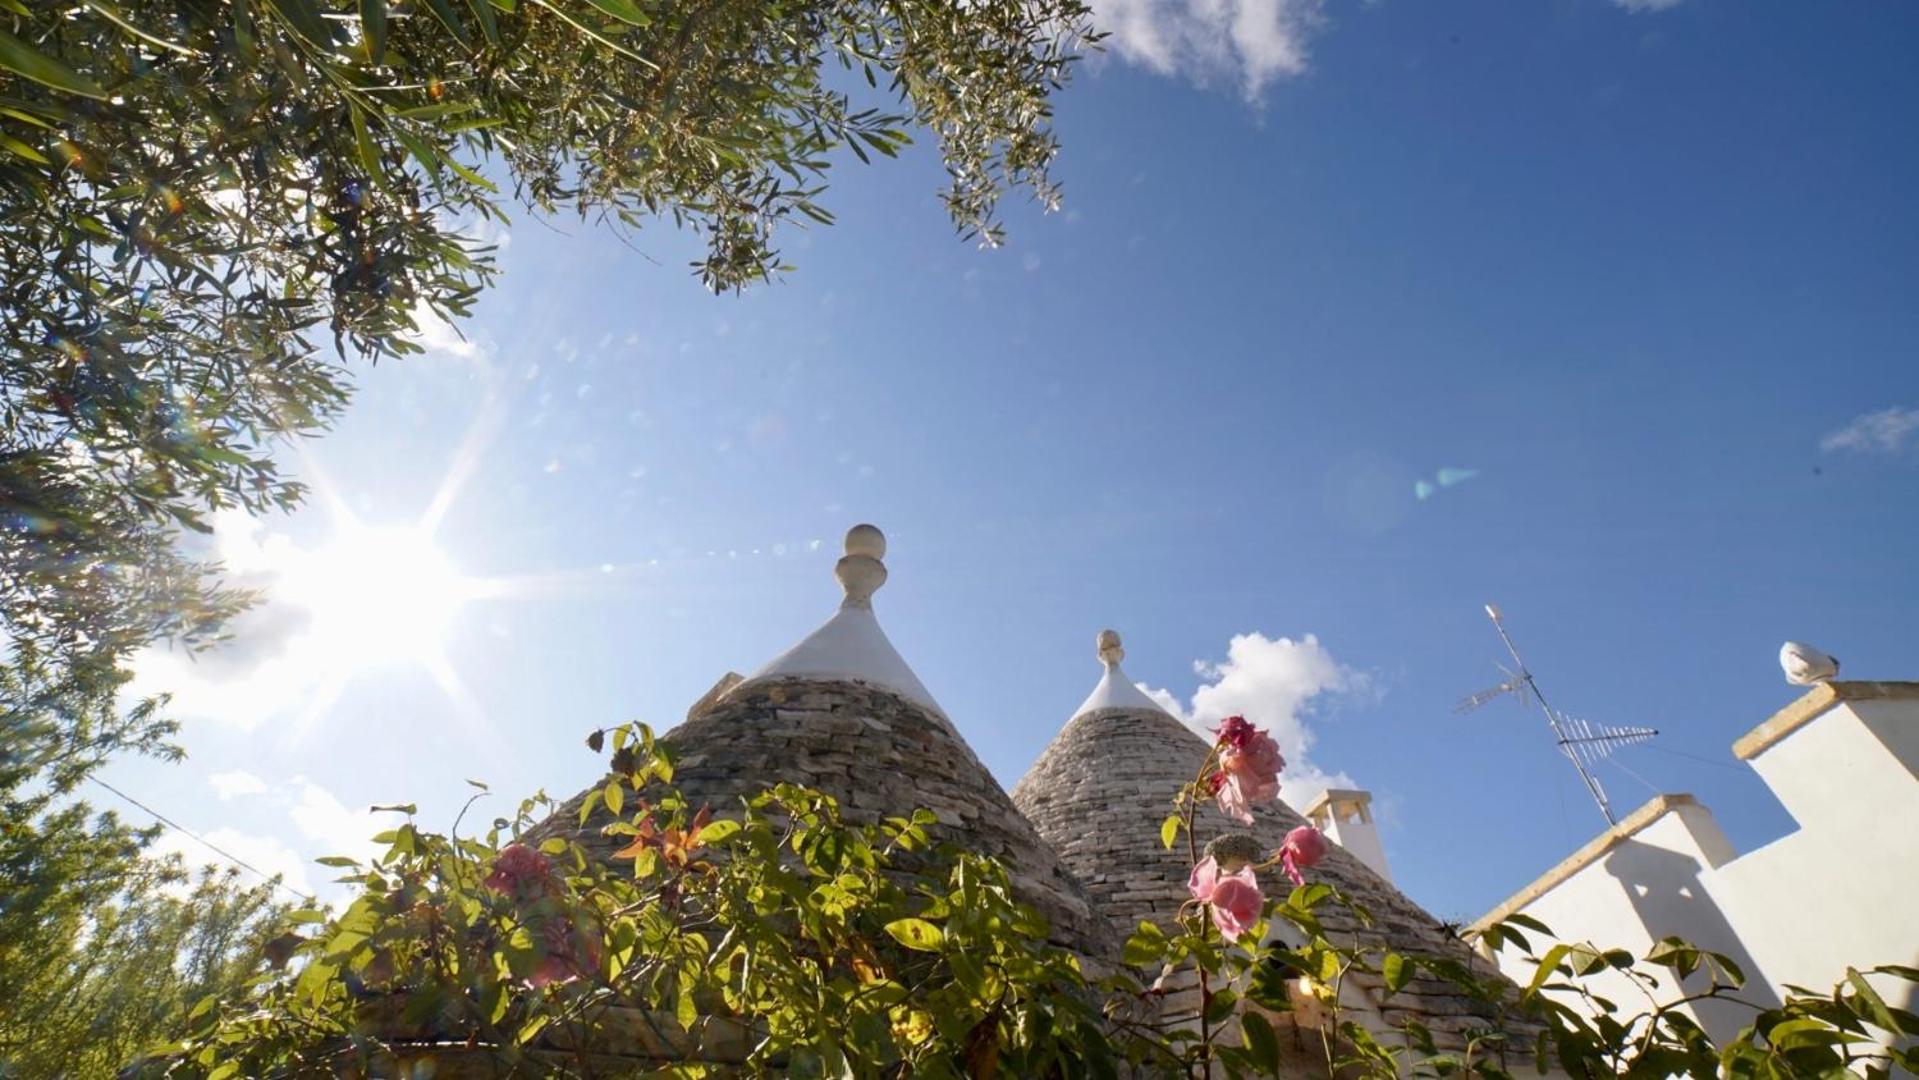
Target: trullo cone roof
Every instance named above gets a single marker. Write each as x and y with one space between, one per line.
842 712
1099 792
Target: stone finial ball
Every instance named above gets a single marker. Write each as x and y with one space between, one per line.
866 540
1108 647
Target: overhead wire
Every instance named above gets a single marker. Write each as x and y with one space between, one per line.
270 879
1694 757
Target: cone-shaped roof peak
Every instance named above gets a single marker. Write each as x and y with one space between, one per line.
1099 791
850 645
1115 690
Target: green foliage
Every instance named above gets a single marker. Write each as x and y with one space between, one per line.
1849 1032
209 208
197 197
102 948
781 941
778 939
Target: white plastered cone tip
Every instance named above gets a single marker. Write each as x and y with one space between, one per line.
1115 690
850 645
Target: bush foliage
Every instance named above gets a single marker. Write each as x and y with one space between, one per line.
778 938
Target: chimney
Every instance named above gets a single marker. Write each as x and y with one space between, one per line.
1346 817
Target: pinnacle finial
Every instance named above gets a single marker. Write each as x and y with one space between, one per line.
860 570
1110 652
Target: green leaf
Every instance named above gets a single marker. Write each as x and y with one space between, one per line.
1876 1009
883 145
373 23
1806 1032
1398 971
23 60
1146 947
1735 976
483 183
1169 831
916 934
451 20
1674 953
623 10
483 11
23 150
1586 960
615 796
1261 1042
716 831
424 153
1308 897
336 860
1548 964
1527 921
533 1026
305 20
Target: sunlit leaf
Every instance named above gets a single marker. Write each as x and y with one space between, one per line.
916 934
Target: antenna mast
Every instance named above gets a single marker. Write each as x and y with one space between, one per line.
1583 744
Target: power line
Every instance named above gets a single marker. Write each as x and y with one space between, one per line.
1650 786
1696 757
208 844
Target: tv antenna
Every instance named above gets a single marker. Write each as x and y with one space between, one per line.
1584 744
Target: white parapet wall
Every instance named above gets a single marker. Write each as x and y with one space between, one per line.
1841 890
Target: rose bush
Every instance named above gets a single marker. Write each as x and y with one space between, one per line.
777 939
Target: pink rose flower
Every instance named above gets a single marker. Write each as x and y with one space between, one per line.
1249 767
1234 731
1304 847
1234 898
519 871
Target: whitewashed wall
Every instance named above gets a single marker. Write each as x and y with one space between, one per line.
1840 890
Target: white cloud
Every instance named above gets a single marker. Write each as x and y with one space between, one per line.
333 828
1647 5
1272 682
1882 432
1248 42
441 338
304 809
229 785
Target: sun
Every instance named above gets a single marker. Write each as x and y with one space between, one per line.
378 596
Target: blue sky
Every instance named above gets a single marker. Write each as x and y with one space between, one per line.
1648 270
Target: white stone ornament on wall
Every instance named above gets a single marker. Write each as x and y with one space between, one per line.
1805 665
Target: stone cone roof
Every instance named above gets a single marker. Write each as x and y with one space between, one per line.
843 714
1098 794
